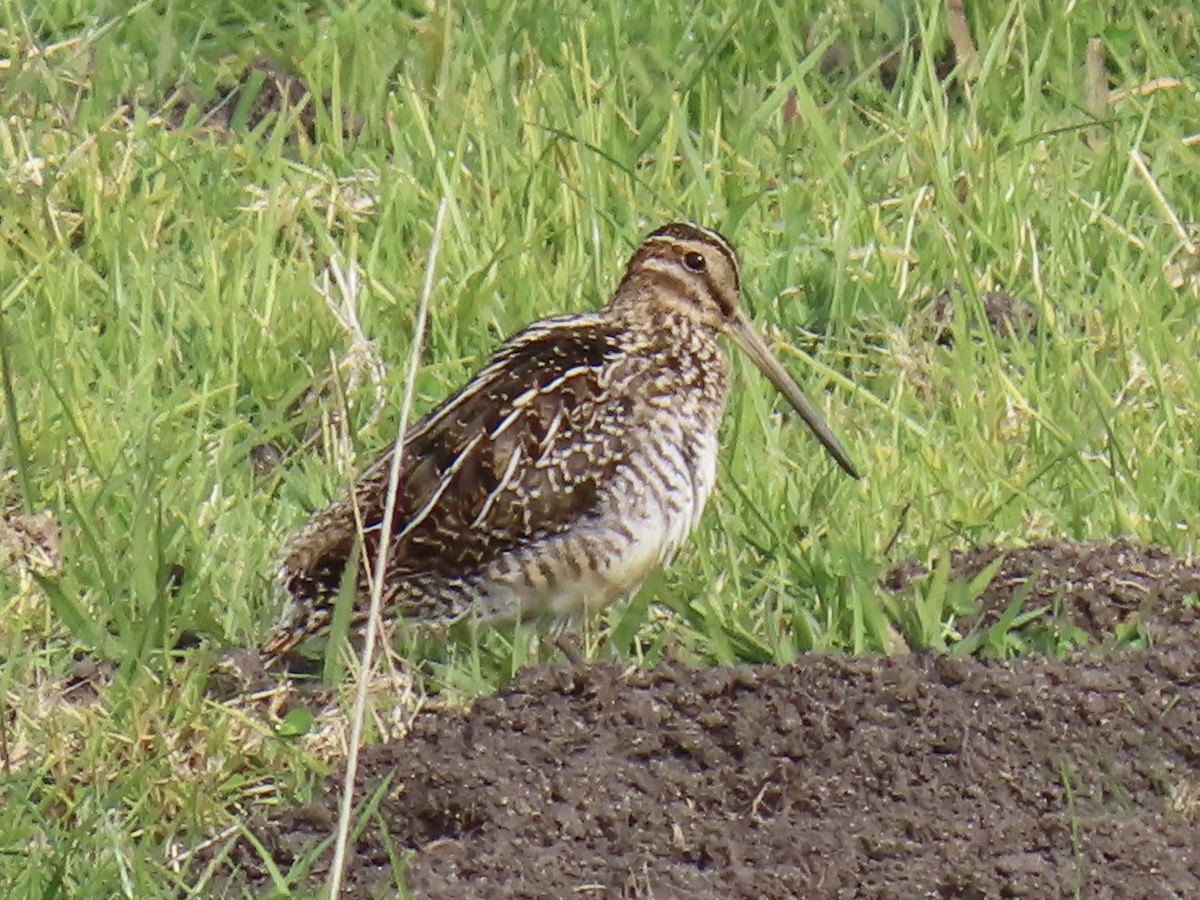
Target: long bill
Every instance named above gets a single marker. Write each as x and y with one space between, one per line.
747 338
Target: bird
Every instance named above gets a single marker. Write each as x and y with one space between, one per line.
571 466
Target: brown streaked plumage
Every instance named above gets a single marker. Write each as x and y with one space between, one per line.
565 471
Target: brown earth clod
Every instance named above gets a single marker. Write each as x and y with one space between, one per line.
921 775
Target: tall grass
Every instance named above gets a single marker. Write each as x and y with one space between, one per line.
160 328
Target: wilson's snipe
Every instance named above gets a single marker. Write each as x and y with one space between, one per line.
563 473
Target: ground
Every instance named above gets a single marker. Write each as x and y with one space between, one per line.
916 775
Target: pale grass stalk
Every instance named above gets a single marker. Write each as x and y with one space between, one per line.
1035 270
906 260
363 351
346 809
1143 90
1109 222
1139 161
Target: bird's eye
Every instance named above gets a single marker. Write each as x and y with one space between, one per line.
694 261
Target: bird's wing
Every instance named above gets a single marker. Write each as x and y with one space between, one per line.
522 450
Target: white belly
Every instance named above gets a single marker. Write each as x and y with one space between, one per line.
584 570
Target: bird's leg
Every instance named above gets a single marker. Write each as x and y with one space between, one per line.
568 643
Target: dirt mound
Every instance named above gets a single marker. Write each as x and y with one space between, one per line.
921 775
902 777
1079 593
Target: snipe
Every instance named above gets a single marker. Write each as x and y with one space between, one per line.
565 471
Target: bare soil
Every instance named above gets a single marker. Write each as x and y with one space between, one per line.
264 91
917 775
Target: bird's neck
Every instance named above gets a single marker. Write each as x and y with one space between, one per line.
654 294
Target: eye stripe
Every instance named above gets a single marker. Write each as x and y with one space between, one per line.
682 235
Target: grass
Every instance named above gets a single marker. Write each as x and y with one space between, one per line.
159 327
